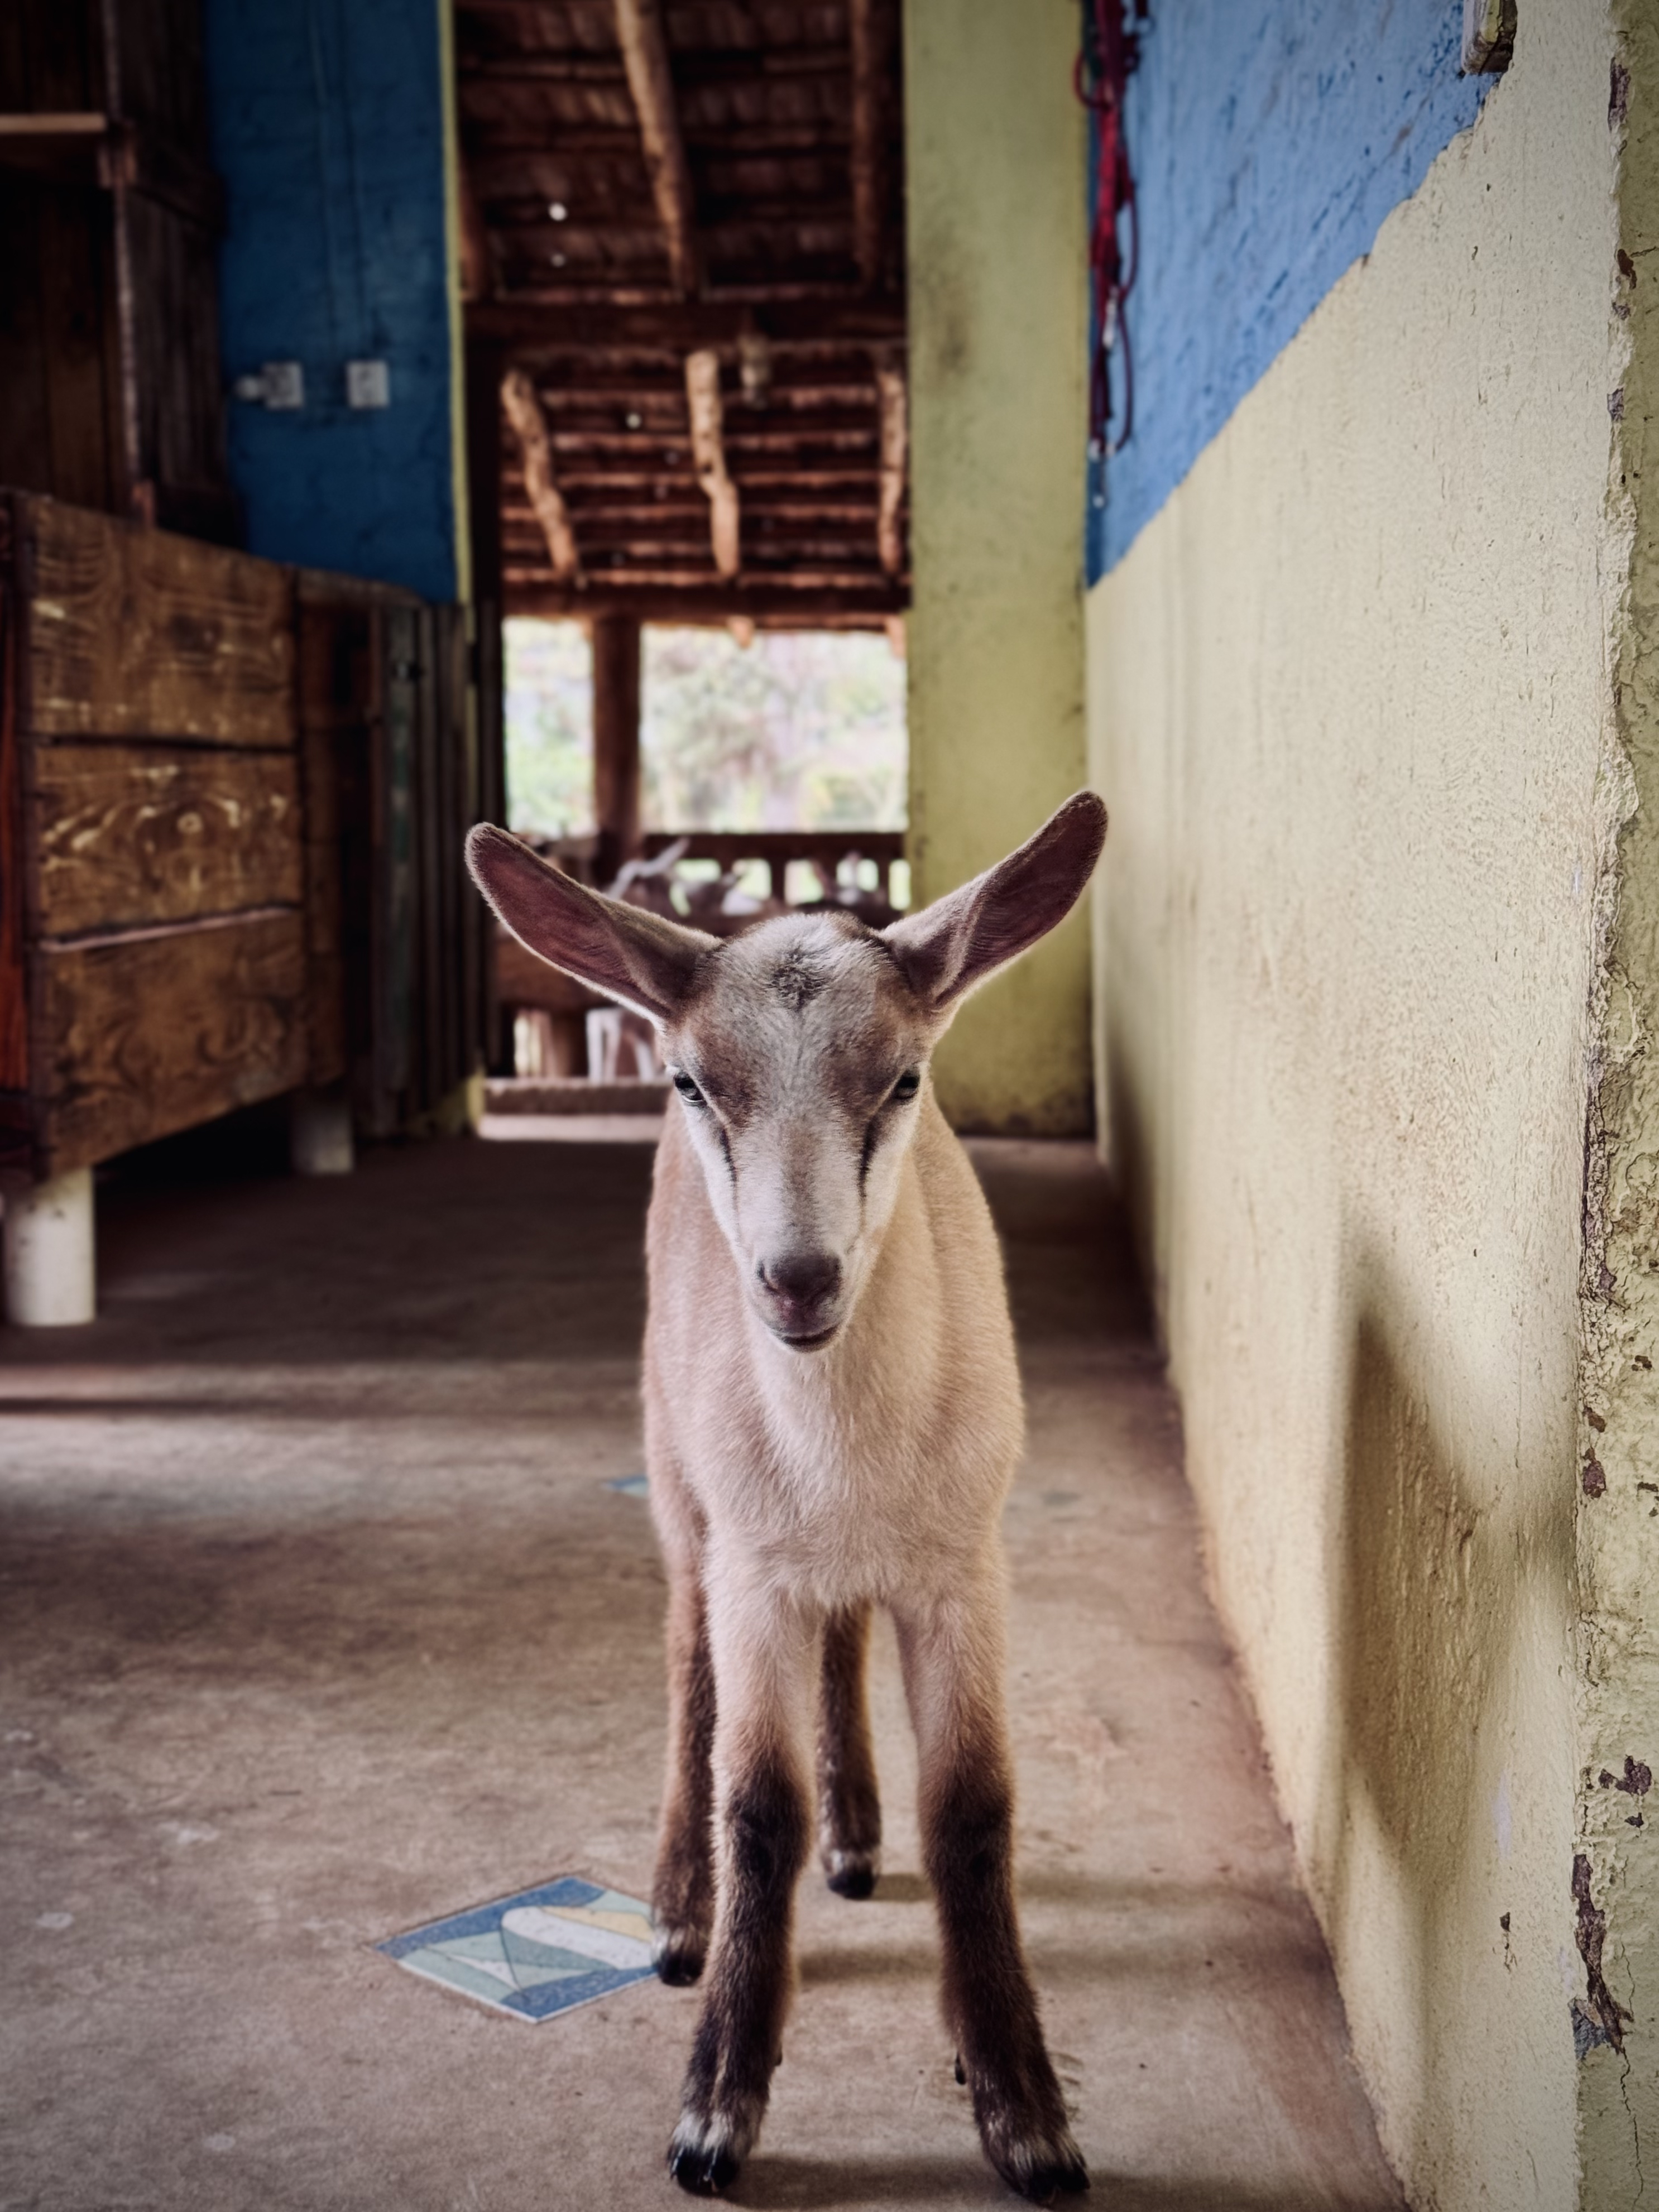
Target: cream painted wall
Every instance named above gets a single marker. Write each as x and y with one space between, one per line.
995 182
1350 706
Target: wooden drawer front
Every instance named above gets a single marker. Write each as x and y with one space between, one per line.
137 634
126 836
137 1039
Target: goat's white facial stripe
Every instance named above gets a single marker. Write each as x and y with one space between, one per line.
794 1082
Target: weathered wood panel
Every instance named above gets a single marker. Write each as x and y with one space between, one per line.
324 881
138 1038
14 992
137 634
126 836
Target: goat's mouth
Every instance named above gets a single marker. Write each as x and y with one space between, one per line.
806 1341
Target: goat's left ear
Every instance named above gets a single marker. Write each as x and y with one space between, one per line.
959 940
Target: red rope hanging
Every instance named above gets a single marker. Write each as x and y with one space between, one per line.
1110 50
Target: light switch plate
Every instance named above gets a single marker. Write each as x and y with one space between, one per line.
367 384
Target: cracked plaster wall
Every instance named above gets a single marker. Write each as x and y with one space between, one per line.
1617 1869
1379 926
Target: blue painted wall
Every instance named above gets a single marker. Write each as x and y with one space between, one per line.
328 131
1269 140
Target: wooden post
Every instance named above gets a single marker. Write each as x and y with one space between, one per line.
485 454
615 743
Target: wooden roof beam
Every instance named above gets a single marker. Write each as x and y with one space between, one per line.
868 25
562 326
524 412
808 607
702 394
644 43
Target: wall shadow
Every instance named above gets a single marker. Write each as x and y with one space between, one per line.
1436 1582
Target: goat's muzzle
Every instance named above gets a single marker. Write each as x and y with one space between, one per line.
801 1298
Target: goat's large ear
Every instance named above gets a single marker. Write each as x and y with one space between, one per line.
640 958
959 940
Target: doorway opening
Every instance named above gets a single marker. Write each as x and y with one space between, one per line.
771 775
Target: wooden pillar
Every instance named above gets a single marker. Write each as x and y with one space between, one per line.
484 368
616 742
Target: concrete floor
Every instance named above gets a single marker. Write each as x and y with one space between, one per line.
318 1621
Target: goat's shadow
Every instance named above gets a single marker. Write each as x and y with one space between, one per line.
781 2183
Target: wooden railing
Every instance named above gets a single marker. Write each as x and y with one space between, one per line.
824 849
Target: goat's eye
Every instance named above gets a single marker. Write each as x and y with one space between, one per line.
687 1089
908 1085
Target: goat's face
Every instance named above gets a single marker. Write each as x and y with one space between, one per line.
799 1058
800 1049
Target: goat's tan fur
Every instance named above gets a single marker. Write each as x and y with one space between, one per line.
833 1419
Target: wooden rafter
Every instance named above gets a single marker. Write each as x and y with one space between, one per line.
895 440
524 412
867 26
702 395
644 44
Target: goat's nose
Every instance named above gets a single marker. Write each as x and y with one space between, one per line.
803 1278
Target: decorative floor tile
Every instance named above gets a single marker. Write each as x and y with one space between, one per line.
631 1486
538 1954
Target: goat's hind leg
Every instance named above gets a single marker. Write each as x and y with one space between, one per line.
849 1806
952 1657
682 1888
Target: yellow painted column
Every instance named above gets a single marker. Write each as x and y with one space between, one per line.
996 156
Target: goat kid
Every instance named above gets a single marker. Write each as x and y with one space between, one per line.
833 1418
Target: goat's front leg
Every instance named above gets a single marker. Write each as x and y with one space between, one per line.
765 1650
683 1887
850 1807
952 1654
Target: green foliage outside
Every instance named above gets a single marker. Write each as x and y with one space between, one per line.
550 727
800 731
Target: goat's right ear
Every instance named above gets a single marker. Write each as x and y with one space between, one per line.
963 938
640 958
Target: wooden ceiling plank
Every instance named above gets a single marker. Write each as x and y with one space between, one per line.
524 412
644 43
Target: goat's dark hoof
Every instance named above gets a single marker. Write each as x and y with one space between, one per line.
1044 2170
852 1873
677 1954
701 2168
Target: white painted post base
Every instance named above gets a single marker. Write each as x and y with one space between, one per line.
319 1134
51 1277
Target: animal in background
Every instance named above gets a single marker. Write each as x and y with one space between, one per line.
833 1418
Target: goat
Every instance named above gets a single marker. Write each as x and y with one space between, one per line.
833 1418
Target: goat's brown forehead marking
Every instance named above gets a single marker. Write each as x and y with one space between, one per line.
797 978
